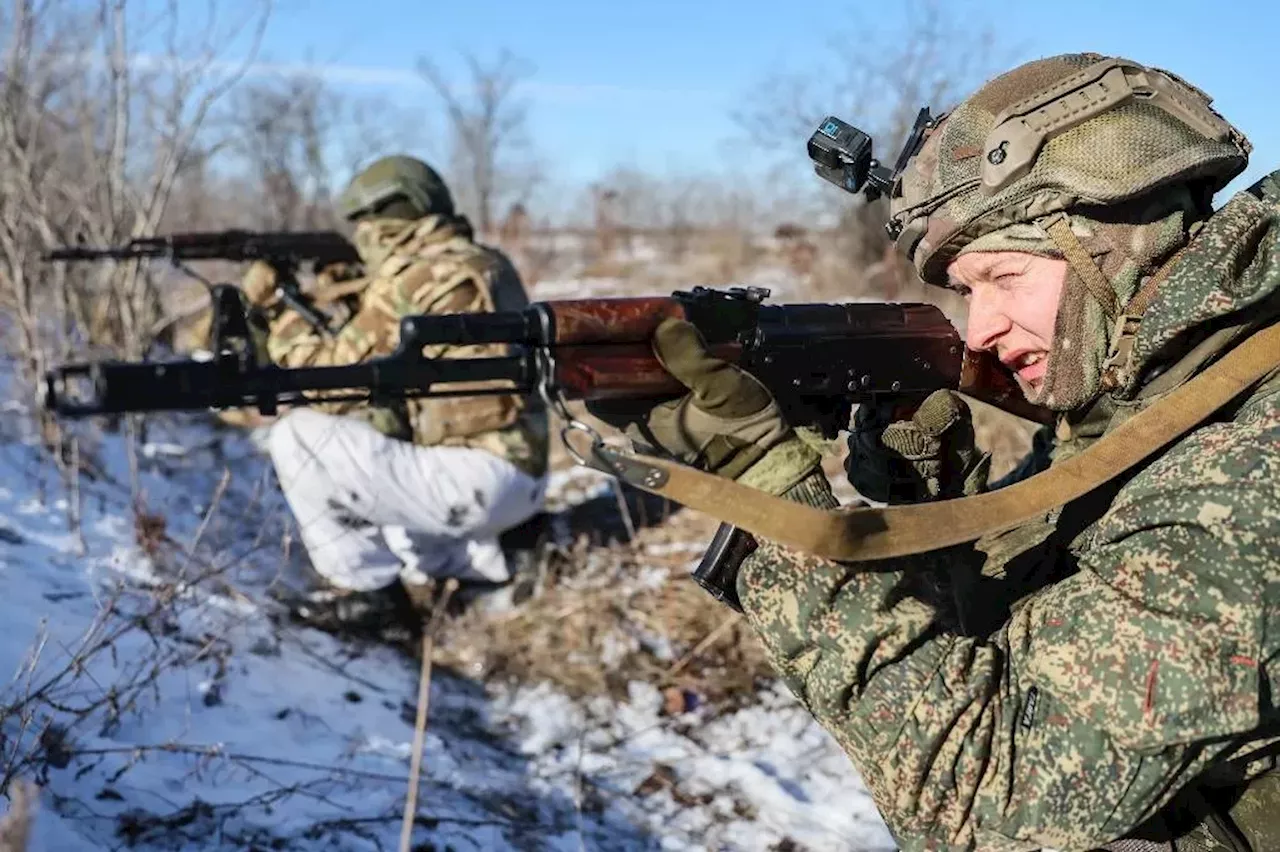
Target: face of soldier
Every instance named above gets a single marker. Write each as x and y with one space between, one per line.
1013 307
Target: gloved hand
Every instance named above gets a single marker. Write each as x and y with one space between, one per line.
259 284
728 423
932 456
336 274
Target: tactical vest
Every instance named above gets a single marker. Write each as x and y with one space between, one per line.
513 427
439 258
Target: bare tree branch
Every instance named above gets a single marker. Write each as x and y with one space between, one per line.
488 131
876 77
93 141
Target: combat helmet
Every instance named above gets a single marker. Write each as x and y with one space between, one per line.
1063 132
396 178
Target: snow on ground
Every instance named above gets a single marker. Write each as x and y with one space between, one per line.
159 706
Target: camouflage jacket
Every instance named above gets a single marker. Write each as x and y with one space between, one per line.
1057 685
427 266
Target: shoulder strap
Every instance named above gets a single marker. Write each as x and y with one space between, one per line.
865 534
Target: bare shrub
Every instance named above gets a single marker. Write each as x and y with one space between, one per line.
94 140
285 127
292 137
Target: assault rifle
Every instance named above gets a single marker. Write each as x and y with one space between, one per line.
285 251
817 359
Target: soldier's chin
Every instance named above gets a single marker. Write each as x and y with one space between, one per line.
1032 389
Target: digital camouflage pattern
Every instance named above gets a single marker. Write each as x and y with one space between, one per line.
426 266
1058 684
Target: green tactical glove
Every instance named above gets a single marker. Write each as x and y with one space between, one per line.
728 424
932 456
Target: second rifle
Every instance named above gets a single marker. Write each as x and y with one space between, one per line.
284 251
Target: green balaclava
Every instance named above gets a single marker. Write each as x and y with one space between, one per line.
1127 243
1097 160
389 198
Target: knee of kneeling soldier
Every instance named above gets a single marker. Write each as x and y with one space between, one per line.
300 430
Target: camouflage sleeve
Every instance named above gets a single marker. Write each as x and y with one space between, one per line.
1077 718
294 343
374 328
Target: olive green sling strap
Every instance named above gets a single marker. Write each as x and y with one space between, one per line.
865 534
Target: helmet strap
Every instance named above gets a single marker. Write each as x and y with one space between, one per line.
1059 230
1119 362
1117 370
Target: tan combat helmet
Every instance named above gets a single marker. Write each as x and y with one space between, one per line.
1064 132
396 179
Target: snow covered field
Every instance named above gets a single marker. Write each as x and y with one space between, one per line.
158 704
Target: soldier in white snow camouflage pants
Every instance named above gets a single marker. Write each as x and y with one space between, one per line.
370 508
390 495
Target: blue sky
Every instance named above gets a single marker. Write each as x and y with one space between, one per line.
653 84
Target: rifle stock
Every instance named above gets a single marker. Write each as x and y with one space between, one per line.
818 360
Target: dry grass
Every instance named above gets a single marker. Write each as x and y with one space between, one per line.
612 615
616 612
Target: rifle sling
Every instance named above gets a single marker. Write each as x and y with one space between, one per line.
866 534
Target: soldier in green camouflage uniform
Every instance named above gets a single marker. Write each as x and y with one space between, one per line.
1099 678
388 498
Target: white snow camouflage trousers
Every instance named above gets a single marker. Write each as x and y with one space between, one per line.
370 508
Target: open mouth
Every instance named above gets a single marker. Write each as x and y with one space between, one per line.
1029 366
1028 360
